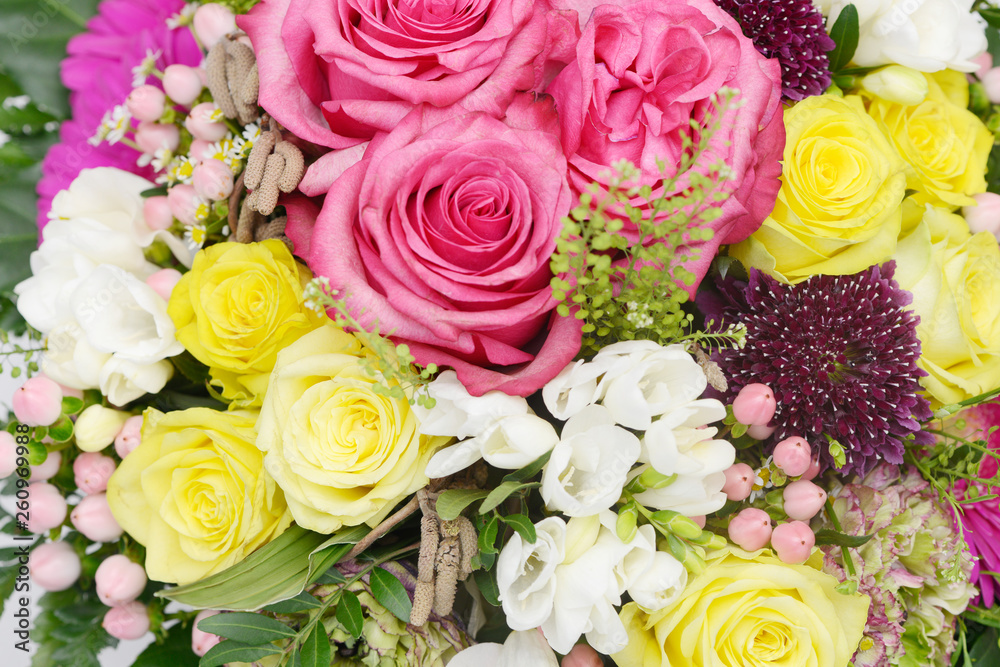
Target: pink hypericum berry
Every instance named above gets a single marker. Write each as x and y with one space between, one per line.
119 580
146 103
803 500
739 481
151 137
750 529
129 437
754 405
813 470
184 202
182 83
700 520
213 22
983 61
54 566
760 432
8 454
163 282
157 213
202 641
93 518
212 179
991 84
38 402
47 507
985 215
92 471
200 150
582 655
128 621
47 470
793 455
793 542
200 123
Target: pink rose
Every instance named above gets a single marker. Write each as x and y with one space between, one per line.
336 71
443 233
642 72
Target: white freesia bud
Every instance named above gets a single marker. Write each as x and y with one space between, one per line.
647 380
898 84
97 426
690 495
675 444
122 315
661 584
590 465
516 441
574 388
459 414
123 381
526 574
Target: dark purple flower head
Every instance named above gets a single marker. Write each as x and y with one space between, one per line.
793 32
840 354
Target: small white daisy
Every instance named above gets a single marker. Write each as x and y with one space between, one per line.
196 235
184 17
148 65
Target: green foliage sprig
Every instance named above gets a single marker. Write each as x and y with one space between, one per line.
400 377
10 350
594 258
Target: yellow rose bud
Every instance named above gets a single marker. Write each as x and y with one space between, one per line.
343 453
195 493
945 144
236 308
97 426
955 281
838 210
749 608
897 84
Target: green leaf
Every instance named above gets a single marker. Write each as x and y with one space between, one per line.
316 651
349 613
488 535
390 593
191 368
985 652
530 470
278 571
991 15
827 536
230 651
174 651
502 492
62 430
71 405
451 502
13 156
245 627
523 526
845 33
301 602
486 581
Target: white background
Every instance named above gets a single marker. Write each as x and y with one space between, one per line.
120 657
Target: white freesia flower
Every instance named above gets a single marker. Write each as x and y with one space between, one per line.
690 495
590 464
122 315
646 380
927 35
111 197
574 388
70 360
526 574
459 414
521 649
661 584
511 443
123 381
678 444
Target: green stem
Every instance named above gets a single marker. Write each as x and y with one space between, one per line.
67 12
835 520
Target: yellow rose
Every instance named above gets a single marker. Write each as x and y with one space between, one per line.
238 305
195 493
343 453
945 144
955 281
841 186
749 609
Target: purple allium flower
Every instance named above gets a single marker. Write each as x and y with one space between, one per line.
98 73
840 354
793 32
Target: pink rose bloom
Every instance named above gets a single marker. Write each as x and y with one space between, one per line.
642 72
443 233
335 71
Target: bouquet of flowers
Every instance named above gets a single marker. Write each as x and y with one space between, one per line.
498 332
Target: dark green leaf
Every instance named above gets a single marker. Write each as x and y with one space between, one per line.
246 627
488 535
331 576
13 156
530 470
845 33
175 651
390 593
191 368
985 652
349 613
301 602
991 15
154 192
827 536
230 651
486 581
451 502
523 526
316 649
502 492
